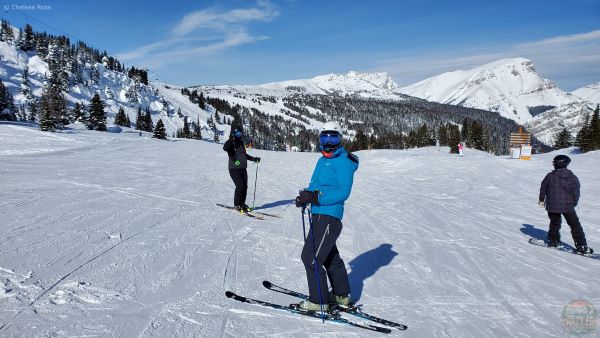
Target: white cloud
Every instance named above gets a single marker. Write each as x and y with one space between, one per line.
571 58
201 33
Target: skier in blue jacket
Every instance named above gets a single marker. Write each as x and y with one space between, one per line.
329 188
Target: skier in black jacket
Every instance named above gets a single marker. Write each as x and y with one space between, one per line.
238 162
559 194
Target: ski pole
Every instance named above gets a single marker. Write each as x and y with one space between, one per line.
312 236
255 179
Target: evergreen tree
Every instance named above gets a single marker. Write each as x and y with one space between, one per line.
465 133
8 111
159 131
582 140
121 118
97 114
563 139
453 138
202 101
477 137
26 84
29 38
139 121
148 124
595 129
186 129
33 109
443 135
76 113
6 33
197 130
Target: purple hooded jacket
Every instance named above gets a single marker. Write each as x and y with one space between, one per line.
560 191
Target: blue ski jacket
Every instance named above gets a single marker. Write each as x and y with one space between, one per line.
333 179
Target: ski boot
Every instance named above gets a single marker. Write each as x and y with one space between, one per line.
241 208
553 244
246 208
339 300
309 306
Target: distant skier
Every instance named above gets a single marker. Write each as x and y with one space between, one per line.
559 194
460 149
329 188
238 162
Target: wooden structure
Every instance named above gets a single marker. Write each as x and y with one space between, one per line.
520 144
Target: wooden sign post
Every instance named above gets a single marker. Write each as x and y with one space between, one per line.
520 144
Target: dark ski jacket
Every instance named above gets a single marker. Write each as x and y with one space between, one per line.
560 191
237 154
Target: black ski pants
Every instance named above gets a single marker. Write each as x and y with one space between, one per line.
321 240
240 179
572 221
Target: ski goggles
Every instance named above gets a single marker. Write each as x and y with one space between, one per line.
238 133
329 139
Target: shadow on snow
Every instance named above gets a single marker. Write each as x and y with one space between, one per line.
366 265
274 204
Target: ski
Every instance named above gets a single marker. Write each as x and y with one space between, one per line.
333 317
353 310
249 214
266 214
562 247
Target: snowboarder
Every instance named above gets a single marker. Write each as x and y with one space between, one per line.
238 162
559 194
460 149
329 188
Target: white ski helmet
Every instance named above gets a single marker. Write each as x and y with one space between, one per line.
331 126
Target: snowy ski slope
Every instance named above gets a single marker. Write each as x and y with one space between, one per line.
117 235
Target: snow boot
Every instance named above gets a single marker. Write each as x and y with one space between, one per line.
309 306
584 250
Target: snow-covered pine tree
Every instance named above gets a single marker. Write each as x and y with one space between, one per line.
97 114
159 131
29 38
34 109
6 33
76 113
563 139
121 118
26 84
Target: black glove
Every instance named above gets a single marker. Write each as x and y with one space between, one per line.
307 197
257 159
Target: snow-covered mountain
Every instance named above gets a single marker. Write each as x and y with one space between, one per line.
590 93
510 87
367 85
115 88
547 125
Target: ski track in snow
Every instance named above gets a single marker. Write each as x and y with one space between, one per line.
115 235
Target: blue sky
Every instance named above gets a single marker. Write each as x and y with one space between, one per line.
250 42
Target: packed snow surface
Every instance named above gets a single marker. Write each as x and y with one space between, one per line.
107 234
